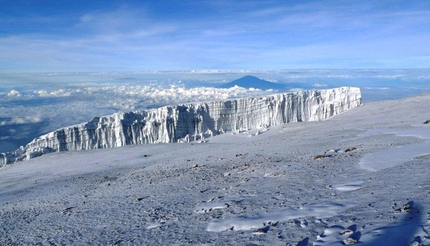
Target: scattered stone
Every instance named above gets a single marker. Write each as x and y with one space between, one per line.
230 229
68 210
350 241
270 223
319 157
347 231
408 206
351 149
405 208
427 121
262 230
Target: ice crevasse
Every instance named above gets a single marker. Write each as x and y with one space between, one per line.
189 122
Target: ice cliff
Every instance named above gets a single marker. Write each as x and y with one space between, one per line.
189 122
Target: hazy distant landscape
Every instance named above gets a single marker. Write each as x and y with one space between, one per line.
34 104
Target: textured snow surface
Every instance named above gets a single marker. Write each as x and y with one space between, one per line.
293 184
191 121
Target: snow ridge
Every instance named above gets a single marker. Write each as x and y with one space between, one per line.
189 122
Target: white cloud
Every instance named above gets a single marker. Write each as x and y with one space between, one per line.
320 85
14 93
396 76
21 120
296 89
376 88
424 77
53 93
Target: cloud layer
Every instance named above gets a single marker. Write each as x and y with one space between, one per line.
33 104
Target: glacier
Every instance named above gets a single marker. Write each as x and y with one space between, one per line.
190 122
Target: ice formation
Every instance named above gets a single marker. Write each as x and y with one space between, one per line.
189 122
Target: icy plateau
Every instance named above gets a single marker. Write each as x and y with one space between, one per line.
190 122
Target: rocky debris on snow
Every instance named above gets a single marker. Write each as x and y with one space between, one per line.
333 152
427 121
68 210
337 234
405 208
353 238
262 230
320 157
350 241
270 223
352 148
408 206
347 231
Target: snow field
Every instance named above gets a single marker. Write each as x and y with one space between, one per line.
268 189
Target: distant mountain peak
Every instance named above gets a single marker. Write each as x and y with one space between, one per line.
249 81
249 77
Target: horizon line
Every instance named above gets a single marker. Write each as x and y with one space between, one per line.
209 70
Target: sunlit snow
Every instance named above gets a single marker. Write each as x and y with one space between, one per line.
235 189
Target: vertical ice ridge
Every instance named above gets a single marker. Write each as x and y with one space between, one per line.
191 121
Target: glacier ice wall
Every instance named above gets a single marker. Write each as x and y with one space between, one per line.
171 124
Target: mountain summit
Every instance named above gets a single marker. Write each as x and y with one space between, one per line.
254 82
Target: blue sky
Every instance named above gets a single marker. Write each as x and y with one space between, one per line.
56 36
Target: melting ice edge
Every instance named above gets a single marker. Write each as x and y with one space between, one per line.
188 122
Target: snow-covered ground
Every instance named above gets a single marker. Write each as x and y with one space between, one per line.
361 177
